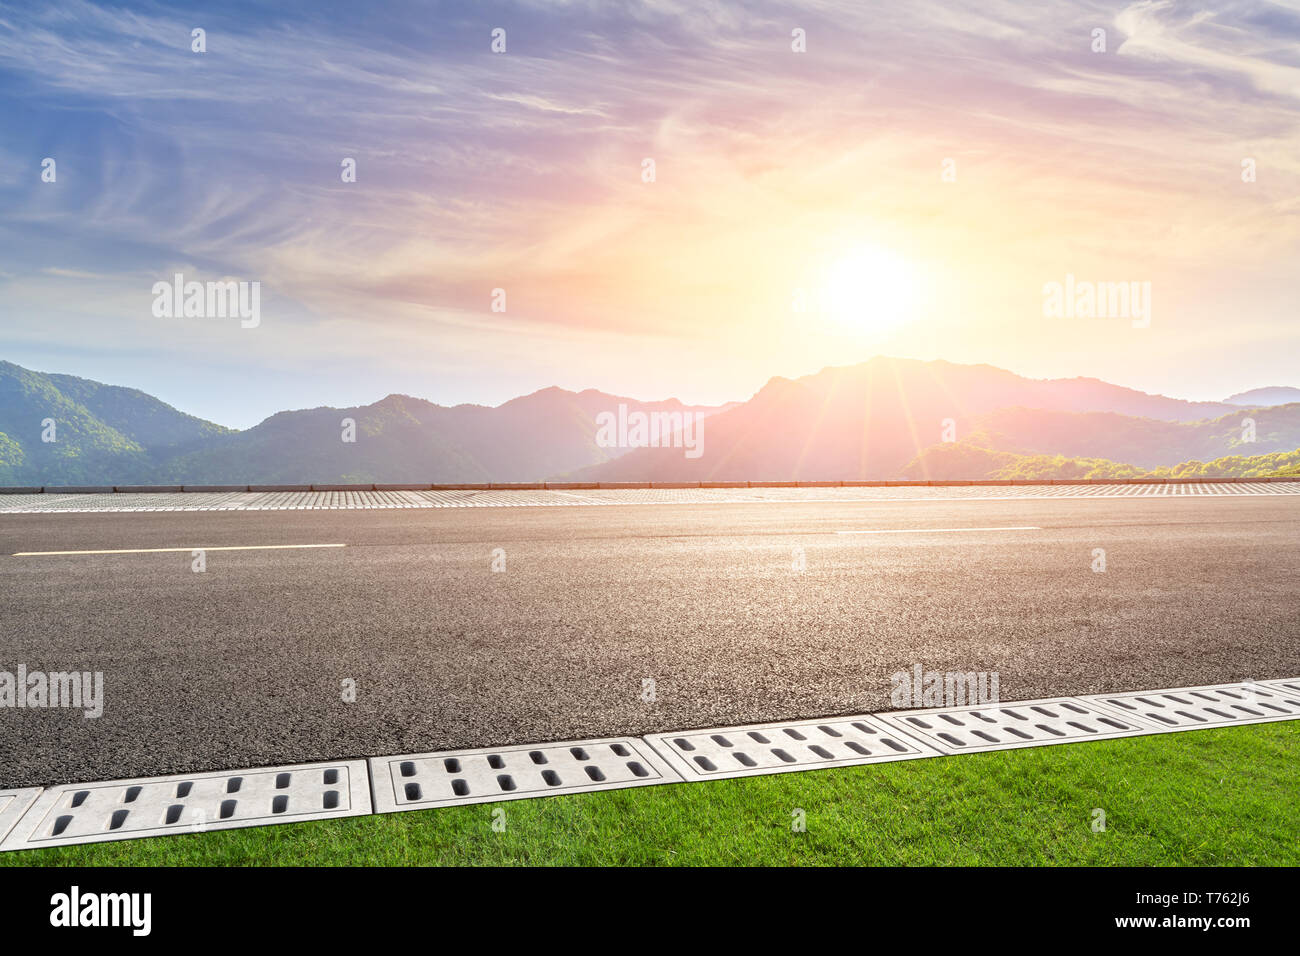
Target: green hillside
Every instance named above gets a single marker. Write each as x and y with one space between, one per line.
58 429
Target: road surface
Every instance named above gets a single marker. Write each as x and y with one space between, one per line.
245 663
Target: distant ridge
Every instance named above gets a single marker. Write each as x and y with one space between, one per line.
112 435
96 431
1270 395
868 421
871 421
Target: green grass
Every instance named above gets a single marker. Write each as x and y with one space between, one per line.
1213 797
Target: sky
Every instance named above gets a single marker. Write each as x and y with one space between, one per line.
909 183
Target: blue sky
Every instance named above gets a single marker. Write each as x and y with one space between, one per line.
522 171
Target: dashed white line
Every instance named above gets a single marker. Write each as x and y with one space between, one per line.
197 547
938 530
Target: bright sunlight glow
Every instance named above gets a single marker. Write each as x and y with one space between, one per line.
869 290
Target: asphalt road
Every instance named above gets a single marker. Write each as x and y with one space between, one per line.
243 664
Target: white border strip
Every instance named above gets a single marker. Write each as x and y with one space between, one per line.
386 772
32 831
1071 720
518 498
14 805
1197 708
1289 685
876 738
375 776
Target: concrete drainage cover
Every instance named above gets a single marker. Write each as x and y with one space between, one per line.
447 778
13 804
1022 723
192 803
1287 685
785 746
1216 705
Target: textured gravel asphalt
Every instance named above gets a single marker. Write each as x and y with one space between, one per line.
242 665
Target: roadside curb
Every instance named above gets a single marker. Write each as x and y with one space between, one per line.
92 812
614 485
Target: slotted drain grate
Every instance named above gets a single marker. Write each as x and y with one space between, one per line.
123 809
153 806
1216 705
13 804
784 746
1287 685
1026 723
419 781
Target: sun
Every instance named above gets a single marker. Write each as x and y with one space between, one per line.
869 289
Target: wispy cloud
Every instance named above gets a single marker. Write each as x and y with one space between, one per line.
478 170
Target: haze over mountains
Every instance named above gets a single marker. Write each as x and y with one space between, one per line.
885 418
869 421
109 435
405 439
1271 395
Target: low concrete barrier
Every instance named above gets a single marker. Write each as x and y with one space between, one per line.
619 485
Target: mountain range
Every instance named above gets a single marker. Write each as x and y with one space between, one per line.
884 418
1270 395
871 421
104 434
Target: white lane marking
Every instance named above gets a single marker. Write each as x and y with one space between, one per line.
30 509
584 499
242 547
938 530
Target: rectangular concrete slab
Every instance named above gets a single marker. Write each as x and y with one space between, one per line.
191 803
1287 685
1214 705
13 804
785 746
1022 723
484 775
